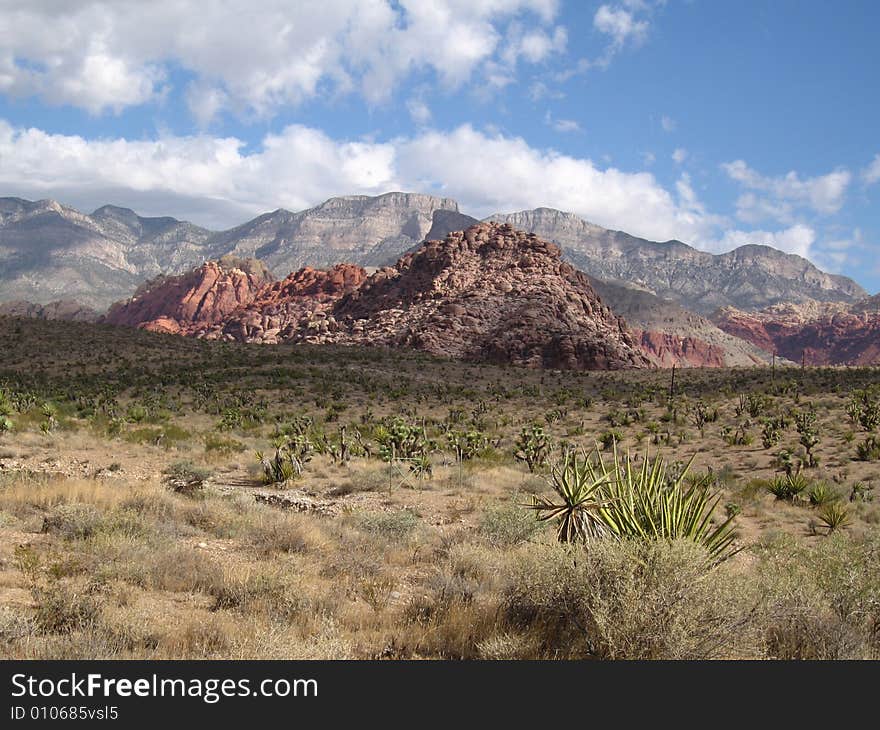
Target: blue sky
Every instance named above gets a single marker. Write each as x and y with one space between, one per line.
716 123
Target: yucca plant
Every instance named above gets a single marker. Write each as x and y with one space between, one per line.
835 516
579 484
789 487
624 500
650 501
821 493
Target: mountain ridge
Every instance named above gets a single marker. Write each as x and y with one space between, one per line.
49 251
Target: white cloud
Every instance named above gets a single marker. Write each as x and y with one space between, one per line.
648 159
823 194
679 155
621 25
871 173
668 123
564 126
216 181
797 239
419 111
256 55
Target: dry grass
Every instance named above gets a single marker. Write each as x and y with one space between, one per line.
100 559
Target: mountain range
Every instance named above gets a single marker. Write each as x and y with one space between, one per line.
49 251
682 305
488 293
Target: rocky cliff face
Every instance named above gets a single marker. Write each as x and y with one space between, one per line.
818 333
749 277
297 308
189 303
357 229
489 293
671 335
49 251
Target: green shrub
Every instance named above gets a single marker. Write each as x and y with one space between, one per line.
508 524
624 500
223 444
532 446
630 600
822 493
185 478
392 525
869 449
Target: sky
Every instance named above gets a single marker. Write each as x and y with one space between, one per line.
714 123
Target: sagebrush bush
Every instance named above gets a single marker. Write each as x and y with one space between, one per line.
632 599
822 600
73 521
508 524
392 525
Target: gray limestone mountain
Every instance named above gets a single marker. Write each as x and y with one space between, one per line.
368 231
750 277
49 251
670 333
64 310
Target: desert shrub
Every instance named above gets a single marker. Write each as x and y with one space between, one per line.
532 446
630 600
869 449
280 534
186 478
223 444
835 516
808 429
610 439
73 521
467 445
256 593
392 525
292 453
823 600
821 493
61 609
508 524
622 499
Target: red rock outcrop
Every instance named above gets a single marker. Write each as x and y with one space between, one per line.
189 303
666 349
488 293
291 309
818 334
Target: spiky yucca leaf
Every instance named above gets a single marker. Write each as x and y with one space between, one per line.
646 501
626 499
579 485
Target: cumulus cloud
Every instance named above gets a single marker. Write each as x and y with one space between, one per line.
667 123
257 55
679 155
824 194
419 111
797 239
220 182
871 174
620 24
